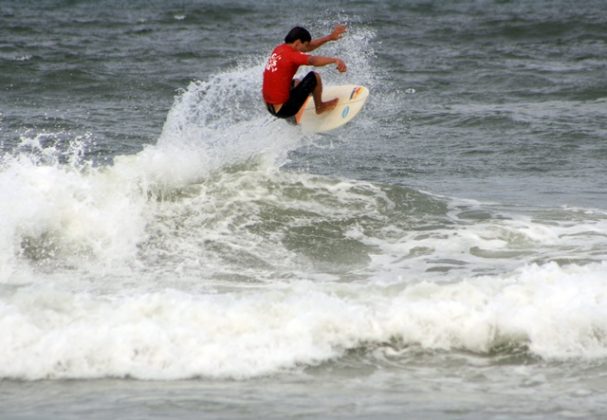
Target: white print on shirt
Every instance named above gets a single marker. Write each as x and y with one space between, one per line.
273 62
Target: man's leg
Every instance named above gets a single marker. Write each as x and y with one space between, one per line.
317 95
302 89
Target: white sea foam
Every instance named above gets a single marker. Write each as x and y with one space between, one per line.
146 329
557 312
63 209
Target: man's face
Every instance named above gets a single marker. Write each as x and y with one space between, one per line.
301 46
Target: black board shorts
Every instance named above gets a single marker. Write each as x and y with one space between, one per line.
297 97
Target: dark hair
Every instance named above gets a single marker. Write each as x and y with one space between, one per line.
298 33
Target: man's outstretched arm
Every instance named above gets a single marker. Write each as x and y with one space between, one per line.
337 33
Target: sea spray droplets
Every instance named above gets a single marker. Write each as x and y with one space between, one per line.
225 99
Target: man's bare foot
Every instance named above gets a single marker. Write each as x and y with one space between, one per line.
326 106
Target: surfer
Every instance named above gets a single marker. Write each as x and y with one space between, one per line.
283 95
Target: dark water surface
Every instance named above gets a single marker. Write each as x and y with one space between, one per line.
168 250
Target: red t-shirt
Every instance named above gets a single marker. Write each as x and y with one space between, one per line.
280 69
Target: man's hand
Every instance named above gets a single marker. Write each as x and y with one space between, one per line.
338 32
341 66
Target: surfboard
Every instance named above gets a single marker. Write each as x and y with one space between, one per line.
351 99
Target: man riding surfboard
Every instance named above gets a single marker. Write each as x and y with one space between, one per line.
283 95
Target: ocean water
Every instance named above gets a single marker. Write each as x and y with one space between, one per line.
169 250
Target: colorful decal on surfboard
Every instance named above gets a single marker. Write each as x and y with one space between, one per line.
355 92
345 112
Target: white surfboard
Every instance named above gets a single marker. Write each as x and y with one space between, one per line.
351 99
